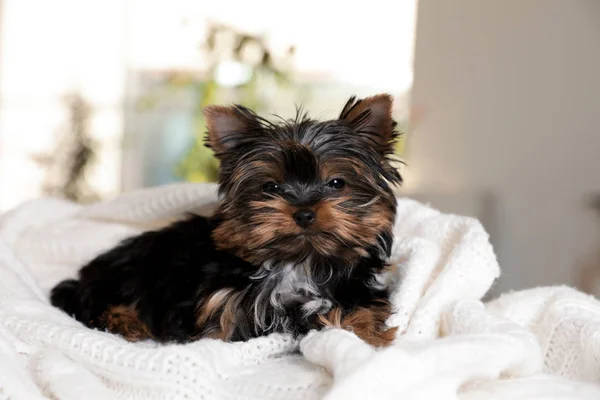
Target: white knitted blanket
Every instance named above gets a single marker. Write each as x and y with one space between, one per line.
542 343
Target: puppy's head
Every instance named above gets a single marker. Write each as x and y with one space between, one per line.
297 189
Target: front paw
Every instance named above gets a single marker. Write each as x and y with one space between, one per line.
366 323
337 350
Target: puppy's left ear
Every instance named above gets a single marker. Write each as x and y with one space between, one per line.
372 118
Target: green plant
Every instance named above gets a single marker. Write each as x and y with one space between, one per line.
250 54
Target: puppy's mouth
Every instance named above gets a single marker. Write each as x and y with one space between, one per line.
311 236
306 238
308 233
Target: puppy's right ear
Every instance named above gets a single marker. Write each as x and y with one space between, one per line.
228 127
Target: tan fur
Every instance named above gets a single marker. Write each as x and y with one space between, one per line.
269 171
227 320
380 121
367 323
268 226
222 121
336 167
124 321
348 234
212 306
223 303
354 231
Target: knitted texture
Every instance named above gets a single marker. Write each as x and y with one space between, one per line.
541 343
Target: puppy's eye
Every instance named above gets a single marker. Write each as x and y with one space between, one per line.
272 188
336 183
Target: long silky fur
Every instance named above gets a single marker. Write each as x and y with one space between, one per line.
249 270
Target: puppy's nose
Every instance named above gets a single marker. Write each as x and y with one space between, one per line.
304 217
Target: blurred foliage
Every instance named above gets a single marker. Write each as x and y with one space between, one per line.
66 166
263 72
252 55
401 144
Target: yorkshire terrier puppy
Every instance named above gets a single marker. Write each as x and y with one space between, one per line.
299 240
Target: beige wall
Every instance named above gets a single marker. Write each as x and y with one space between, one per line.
511 95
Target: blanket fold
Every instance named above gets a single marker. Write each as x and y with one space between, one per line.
542 342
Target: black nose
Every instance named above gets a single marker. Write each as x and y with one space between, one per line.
304 217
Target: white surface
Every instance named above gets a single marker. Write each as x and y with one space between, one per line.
509 91
544 342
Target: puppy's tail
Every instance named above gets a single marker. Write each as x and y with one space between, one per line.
65 296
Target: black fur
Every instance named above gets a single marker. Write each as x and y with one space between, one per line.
276 276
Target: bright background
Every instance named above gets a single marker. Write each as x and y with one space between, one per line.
504 94
107 51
